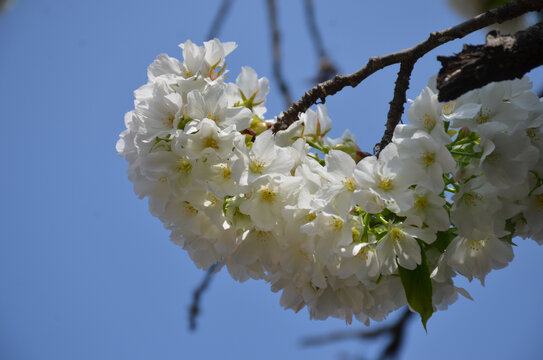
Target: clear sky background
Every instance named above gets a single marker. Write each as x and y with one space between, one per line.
87 273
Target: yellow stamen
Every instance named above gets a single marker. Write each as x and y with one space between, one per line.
386 184
428 158
210 142
256 166
184 166
267 195
349 183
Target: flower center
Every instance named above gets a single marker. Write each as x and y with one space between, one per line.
386 184
421 202
212 116
349 183
363 254
226 172
429 123
210 142
256 166
190 209
476 245
184 166
336 223
447 109
428 159
396 234
267 195
483 117
472 199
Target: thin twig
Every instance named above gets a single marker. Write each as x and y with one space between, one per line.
395 331
396 105
194 309
327 69
330 87
276 46
503 57
219 19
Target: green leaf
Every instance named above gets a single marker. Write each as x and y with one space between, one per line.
418 289
443 240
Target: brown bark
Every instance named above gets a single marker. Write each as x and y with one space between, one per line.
503 57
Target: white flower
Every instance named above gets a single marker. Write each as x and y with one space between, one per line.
476 258
507 157
337 191
263 158
489 104
206 139
164 65
359 260
193 58
316 123
214 58
249 91
424 114
429 158
329 231
268 196
474 208
428 209
160 114
213 104
387 178
534 215
400 247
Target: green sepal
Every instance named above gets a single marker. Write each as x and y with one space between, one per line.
418 289
510 227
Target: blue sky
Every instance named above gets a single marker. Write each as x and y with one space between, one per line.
87 273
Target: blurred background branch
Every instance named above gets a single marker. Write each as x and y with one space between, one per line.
276 50
327 69
221 15
194 309
395 332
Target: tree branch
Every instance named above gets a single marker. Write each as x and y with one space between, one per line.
219 19
194 309
276 44
396 331
396 105
501 58
330 87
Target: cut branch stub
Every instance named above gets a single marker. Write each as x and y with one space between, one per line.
503 57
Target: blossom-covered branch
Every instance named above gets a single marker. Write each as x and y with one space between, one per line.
503 57
341 234
331 87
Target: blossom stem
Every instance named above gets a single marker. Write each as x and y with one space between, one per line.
316 146
468 154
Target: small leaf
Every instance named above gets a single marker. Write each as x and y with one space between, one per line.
418 289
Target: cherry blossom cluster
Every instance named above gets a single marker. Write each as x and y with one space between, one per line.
339 233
